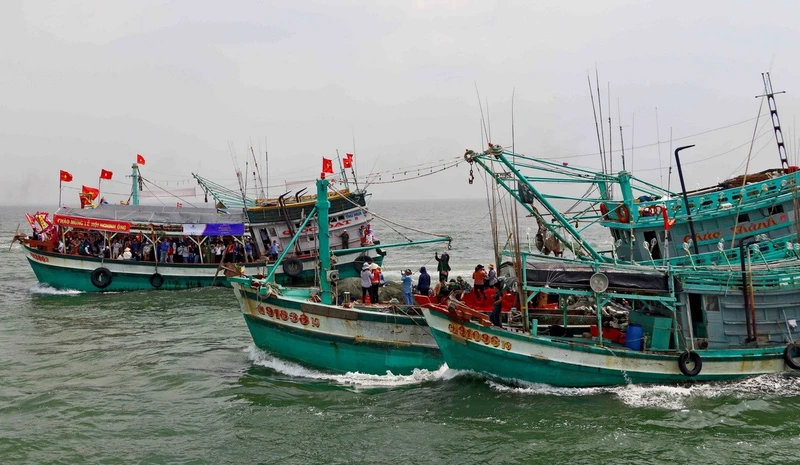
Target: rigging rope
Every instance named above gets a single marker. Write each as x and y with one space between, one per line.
348 199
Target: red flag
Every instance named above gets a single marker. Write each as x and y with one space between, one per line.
667 222
179 205
139 159
327 165
349 156
90 192
66 176
347 162
105 174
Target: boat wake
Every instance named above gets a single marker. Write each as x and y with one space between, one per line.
44 289
670 397
352 379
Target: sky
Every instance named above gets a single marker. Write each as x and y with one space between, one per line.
192 85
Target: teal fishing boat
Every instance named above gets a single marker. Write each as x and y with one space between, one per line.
312 326
719 314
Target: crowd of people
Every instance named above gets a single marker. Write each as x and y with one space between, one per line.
166 249
372 279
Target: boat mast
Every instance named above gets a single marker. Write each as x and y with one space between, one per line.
776 122
323 241
135 184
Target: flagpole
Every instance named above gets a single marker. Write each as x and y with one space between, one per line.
60 181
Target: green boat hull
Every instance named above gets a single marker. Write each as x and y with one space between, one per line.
562 363
75 273
341 354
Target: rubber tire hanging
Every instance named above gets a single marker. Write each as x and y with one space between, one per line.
358 263
693 357
292 267
156 280
788 356
101 277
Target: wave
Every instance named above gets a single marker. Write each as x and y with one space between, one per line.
44 289
670 397
354 379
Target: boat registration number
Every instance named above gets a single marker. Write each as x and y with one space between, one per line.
478 336
280 314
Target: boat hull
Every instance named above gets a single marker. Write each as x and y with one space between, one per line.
74 272
337 339
506 355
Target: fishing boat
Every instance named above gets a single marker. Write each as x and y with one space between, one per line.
149 226
311 326
638 214
718 315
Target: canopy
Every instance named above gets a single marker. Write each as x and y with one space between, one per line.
195 221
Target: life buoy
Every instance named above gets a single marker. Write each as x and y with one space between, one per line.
692 357
604 211
623 214
789 355
358 263
101 277
156 280
292 267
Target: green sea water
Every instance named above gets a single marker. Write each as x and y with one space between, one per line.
173 377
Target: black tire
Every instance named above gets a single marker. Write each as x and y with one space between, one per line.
292 267
692 357
358 263
101 277
156 280
789 355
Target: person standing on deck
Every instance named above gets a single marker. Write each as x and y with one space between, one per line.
424 282
274 250
345 239
491 277
366 282
405 277
478 278
497 307
444 266
375 282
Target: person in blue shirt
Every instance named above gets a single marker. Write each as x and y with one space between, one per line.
274 250
164 250
406 279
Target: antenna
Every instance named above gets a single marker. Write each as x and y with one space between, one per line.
596 126
621 139
513 91
480 106
776 122
600 110
658 143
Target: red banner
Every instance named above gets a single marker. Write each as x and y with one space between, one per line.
91 223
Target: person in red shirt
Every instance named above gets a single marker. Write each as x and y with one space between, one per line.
479 277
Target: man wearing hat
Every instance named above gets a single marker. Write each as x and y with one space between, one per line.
366 276
406 279
491 277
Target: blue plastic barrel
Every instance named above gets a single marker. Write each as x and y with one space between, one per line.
633 337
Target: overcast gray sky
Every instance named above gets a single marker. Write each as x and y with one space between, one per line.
88 84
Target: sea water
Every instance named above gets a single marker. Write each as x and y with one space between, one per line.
173 377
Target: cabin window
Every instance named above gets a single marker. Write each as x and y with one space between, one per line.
743 218
655 244
711 303
310 238
774 210
273 232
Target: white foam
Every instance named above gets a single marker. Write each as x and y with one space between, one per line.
359 380
669 397
44 289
